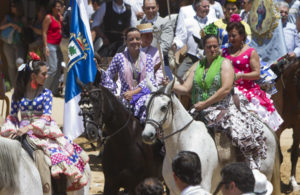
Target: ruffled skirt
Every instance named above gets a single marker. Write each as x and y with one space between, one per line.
245 130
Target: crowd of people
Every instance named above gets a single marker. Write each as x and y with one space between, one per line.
223 68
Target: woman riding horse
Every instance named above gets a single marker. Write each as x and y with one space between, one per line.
247 68
35 103
211 83
132 67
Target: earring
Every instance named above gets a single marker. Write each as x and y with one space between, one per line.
33 84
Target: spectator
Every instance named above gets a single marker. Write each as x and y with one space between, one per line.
186 167
36 27
262 185
192 27
150 186
218 8
292 39
90 9
11 32
246 9
137 8
294 9
231 7
147 37
52 35
151 9
237 179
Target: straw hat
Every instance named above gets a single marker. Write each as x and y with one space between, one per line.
145 28
262 185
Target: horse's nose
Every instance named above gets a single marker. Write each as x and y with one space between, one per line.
148 137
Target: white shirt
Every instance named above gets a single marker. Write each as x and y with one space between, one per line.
187 13
218 9
136 6
191 26
292 38
100 13
194 190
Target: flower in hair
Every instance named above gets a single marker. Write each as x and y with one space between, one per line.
235 18
211 29
34 56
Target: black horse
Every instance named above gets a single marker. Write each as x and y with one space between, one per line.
126 160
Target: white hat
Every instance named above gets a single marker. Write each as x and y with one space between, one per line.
262 185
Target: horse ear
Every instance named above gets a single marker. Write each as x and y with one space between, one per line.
199 42
97 80
150 85
78 81
169 87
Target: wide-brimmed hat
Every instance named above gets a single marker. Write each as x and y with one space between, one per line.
262 185
145 28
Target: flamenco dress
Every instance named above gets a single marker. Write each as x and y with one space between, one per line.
62 155
243 128
259 102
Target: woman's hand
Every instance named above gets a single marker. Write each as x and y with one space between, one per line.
47 52
199 106
21 131
165 81
128 95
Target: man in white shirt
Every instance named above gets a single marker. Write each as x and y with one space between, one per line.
294 9
292 39
192 27
186 167
245 11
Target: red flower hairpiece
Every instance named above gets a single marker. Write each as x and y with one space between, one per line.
235 18
34 56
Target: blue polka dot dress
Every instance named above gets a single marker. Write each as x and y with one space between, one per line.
65 156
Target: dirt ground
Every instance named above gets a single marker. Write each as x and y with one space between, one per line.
97 184
98 178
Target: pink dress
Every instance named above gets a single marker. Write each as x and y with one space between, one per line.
258 100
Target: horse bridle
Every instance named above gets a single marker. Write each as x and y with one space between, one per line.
158 125
99 125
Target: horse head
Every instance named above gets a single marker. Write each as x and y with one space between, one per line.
91 105
159 110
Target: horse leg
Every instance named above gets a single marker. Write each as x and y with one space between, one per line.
110 188
294 158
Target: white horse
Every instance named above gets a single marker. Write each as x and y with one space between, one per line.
181 132
18 172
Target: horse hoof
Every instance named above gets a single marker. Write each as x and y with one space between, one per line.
294 184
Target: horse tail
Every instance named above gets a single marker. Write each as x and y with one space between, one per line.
10 153
276 169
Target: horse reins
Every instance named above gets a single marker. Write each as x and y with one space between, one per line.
158 125
104 139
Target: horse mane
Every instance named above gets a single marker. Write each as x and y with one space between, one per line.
10 153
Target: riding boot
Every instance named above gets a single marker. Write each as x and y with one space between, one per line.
44 170
60 185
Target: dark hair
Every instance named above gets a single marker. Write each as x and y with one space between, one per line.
150 186
208 37
187 167
97 1
18 6
239 27
23 78
237 3
240 174
131 29
52 4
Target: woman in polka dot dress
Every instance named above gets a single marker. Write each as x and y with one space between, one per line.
35 104
247 68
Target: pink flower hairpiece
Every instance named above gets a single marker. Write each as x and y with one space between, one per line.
235 18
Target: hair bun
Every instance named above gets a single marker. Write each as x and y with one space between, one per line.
34 56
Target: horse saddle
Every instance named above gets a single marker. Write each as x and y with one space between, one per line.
26 145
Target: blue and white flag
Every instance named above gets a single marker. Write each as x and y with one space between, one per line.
81 64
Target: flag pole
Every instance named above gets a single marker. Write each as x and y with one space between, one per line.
156 31
169 10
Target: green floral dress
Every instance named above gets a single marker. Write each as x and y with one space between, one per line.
245 130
